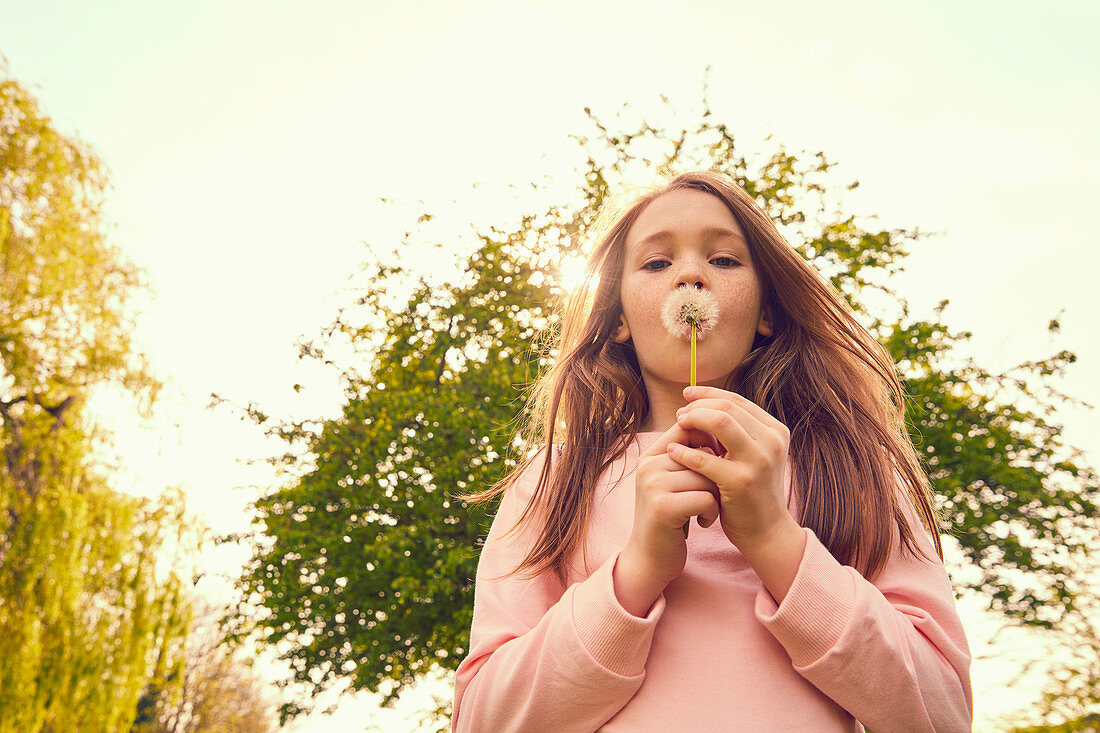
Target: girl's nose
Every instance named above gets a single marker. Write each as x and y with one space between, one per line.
691 277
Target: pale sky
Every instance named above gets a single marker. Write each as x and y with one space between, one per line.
248 141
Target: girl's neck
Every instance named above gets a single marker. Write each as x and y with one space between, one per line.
662 409
665 398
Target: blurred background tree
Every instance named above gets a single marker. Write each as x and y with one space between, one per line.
1068 668
362 562
92 582
214 689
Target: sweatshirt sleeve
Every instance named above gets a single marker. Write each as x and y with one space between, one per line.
543 657
892 653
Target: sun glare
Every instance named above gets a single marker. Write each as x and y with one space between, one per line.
572 273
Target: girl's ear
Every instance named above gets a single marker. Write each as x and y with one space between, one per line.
764 325
621 334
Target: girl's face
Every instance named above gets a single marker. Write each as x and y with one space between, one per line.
688 238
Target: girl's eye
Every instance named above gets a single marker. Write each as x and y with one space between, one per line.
724 261
655 265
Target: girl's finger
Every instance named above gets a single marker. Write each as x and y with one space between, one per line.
726 426
698 392
678 434
748 421
703 441
714 468
680 507
684 479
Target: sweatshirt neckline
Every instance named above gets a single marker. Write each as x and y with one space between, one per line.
645 440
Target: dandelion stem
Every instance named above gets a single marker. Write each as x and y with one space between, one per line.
693 355
687 524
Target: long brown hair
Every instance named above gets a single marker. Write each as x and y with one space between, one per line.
820 373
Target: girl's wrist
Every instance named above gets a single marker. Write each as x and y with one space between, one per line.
779 531
776 556
635 588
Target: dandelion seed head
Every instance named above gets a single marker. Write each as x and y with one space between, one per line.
685 307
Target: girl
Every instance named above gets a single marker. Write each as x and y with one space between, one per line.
809 598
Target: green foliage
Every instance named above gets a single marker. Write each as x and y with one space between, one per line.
213 689
374 556
362 564
1020 503
1069 665
66 323
87 616
91 581
1087 724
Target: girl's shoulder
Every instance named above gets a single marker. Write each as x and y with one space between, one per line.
522 484
519 512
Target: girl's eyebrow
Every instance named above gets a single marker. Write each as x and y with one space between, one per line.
710 233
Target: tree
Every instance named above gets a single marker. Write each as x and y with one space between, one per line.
92 582
1068 668
1070 699
362 562
214 689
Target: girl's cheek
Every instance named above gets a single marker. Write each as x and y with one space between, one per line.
648 287
745 295
647 299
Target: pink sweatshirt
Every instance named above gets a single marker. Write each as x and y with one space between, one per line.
715 653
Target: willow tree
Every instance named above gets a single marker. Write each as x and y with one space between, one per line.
362 561
91 593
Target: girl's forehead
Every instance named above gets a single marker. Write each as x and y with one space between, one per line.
683 213
684 209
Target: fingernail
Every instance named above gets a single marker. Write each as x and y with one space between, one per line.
680 411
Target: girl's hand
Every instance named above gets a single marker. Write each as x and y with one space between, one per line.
748 472
666 496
